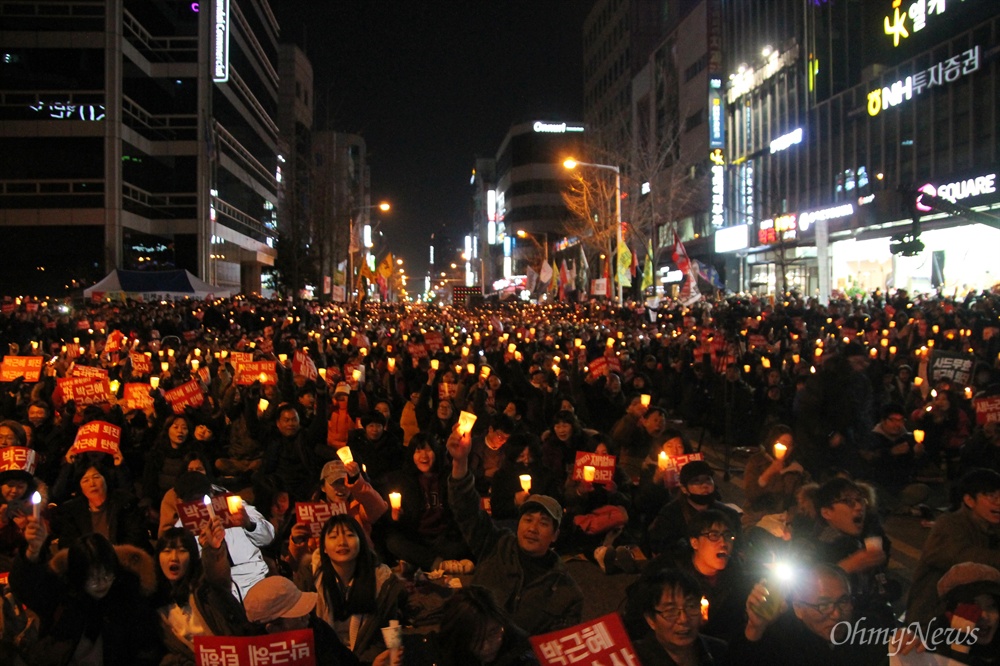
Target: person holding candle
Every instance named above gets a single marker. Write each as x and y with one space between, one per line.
344 484
290 451
669 529
561 442
668 630
772 476
17 490
947 427
424 532
375 448
358 595
488 452
895 455
522 455
520 568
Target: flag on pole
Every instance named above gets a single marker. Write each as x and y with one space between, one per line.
689 292
624 265
563 280
583 275
545 275
607 277
554 282
647 271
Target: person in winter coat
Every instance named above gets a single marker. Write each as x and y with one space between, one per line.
92 600
100 507
521 569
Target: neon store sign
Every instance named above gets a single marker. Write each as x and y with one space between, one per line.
946 71
953 192
555 128
220 69
69 110
718 175
911 19
780 228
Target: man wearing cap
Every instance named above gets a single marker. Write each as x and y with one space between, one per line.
525 575
698 493
345 484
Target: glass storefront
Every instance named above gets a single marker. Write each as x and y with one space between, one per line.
954 260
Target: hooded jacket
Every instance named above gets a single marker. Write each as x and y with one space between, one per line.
124 619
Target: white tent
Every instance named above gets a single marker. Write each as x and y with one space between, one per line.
154 286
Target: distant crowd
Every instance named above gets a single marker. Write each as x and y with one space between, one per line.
438 467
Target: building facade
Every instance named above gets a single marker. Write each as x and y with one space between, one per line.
147 138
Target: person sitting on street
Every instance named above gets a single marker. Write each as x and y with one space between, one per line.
523 572
698 493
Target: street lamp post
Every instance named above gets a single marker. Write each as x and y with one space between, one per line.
572 164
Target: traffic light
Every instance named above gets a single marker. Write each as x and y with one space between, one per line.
907 244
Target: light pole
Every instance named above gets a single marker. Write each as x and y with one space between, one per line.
521 233
383 206
572 164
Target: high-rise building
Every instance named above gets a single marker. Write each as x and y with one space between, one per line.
138 135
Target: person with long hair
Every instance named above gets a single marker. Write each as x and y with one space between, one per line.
92 600
357 594
769 481
165 462
194 596
100 507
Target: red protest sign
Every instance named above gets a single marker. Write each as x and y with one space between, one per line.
239 358
17 458
987 409
287 648
85 390
434 341
187 394
263 371
137 396
417 350
29 367
315 514
604 466
678 462
88 371
141 364
194 515
599 641
98 437
302 365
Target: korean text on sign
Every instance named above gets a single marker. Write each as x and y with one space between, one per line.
598 642
289 648
315 514
29 367
604 466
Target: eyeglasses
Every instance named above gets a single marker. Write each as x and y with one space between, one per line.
97 580
851 502
825 608
690 608
714 536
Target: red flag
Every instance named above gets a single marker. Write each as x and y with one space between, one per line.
689 292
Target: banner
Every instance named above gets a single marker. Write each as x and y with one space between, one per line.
602 364
417 350
987 410
599 287
599 641
288 648
315 514
303 366
604 466
238 358
97 437
88 371
136 396
624 266
434 341
187 394
85 390
18 458
142 366
263 371
194 515
954 367
29 367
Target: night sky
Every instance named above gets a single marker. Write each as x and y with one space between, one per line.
433 84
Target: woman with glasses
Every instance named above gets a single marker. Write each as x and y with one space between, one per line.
669 604
92 600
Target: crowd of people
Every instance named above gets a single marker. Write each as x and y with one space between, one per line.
484 449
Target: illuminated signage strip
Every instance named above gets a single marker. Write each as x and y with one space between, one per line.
786 141
749 79
555 128
69 110
732 239
807 219
220 70
947 71
715 119
895 24
963 189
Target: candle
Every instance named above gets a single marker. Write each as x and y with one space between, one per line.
435 364
322 371
282 358
262 404
746 369
263 378
170 353
884 342
344 453
918 436
154 382
780 450
485 372
577 342
197 351
465 422
917 381
766 362
892 350
589 472
364 351
796 358
471 368
395 500
644 399
164 366
968 393
208 503
356 374
114 385
465 352
661 460
511 348
36 504
873 352
194 365
234 503
704 609
525 482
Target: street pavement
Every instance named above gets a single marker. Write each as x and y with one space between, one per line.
606 594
